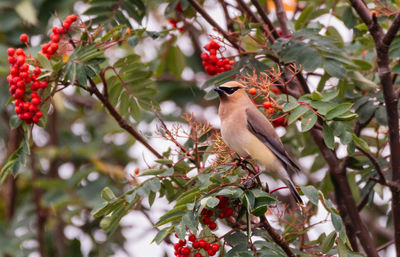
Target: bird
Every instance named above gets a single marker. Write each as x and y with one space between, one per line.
249 133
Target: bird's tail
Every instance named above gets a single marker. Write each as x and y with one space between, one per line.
293 191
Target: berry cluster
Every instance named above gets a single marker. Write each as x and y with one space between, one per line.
280 122
207 216
50 48
177 24
23 82
212 64
183 248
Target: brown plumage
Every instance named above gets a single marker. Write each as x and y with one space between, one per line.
249 133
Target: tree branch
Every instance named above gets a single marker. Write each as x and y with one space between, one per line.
282 18
265 18
374 161
247 9
210 20
122 123
277 237
392 31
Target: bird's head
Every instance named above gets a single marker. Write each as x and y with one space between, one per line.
231 91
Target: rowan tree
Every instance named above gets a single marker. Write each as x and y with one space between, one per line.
108 112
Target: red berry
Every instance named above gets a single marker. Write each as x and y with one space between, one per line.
176 246
221 215
227 67
198 255
207 47
211 252
43 84
10 51
23 74
55 38
11 60
19 93
24 67
60 31
206 246
66 24
186 251
14 70
54 29
37 70
35 119
215 247
213 59
72 17
17 110
54 46
195 244
228 212
213 52
36 101
215 45
192 238
182 242
19 52
204 56
212 225
23 37
253 91
39 114
21 60
202 243
206 220
45 47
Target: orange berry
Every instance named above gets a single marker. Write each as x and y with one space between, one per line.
267 104
136 171
253 91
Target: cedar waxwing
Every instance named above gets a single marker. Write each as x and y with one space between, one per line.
250 134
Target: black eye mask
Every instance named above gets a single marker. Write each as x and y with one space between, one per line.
229 90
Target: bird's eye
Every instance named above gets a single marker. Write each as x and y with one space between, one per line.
229 90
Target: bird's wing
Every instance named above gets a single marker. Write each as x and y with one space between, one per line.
259 125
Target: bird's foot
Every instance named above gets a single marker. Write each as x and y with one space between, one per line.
250 182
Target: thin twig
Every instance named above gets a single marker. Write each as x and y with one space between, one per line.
282 18
277 238
210 20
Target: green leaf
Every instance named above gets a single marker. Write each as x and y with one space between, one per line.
361 80
380 115
27 12
342 249
220 78
328 136
328 242
15 121
180 230
175 61
287 107
316 96
297 113
334 68
107 194
212 202
311 192
162 234
44 62
360 142
308 121
338 110
301 21
322 107
338 225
